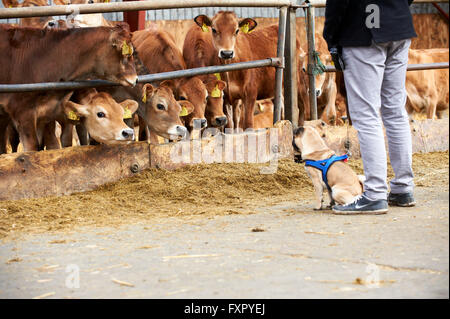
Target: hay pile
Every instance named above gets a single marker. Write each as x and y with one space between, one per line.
209 190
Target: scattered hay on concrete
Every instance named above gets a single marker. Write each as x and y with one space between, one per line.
206 190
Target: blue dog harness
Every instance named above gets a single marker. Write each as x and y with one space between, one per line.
324 165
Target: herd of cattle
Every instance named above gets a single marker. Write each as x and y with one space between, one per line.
90 47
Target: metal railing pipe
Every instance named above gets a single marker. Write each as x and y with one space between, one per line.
310 34
47 86
279 71
322 3
59 10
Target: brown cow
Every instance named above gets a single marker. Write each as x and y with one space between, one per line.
102 117
264 114
428 91
34 55
158 53
35 22
232 41
326 88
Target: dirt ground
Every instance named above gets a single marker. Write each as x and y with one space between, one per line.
207 190
219 231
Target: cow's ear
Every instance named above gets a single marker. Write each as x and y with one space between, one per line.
247 25
74 110
170 84
221 85
202 21
213 84
10 3
147 92
129 107
186 107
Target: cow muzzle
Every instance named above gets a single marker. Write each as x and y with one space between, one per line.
177 131
221 121
318 92
127 135
226 54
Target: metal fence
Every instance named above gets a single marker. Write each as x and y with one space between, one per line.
286 49
190 13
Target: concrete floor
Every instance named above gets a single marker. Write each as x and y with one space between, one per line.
278 252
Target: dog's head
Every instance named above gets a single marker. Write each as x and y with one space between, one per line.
307 140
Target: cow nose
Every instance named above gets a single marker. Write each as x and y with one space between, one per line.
181 131
51 23
203 123
128 134
221 120
226 54
318 92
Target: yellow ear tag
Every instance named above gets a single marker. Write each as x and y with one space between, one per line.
215 92
126 49
10 6
184 111
217 75
73 116
205 28
144 98
106 1
245 28
126 113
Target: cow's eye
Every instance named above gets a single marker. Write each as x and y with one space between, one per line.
214 30
101 114
182 98
160 107
237 31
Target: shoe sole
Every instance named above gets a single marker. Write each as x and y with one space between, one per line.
402 205
372 212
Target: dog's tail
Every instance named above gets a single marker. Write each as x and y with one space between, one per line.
361 179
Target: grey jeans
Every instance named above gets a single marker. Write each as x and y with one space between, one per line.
375 82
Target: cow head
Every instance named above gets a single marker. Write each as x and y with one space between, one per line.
194 91
36 22
162 112
115 60
56 24
214 106
25 3
225 28
319 79
103 117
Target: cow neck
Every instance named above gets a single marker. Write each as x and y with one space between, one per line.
227 79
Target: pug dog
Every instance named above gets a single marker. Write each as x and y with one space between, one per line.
342 183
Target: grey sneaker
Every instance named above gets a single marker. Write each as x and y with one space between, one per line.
362 206
402 200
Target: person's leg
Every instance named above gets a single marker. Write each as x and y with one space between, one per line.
363 77
395 117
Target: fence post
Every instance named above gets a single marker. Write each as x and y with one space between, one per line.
135 19
310 29
290 72
279 71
